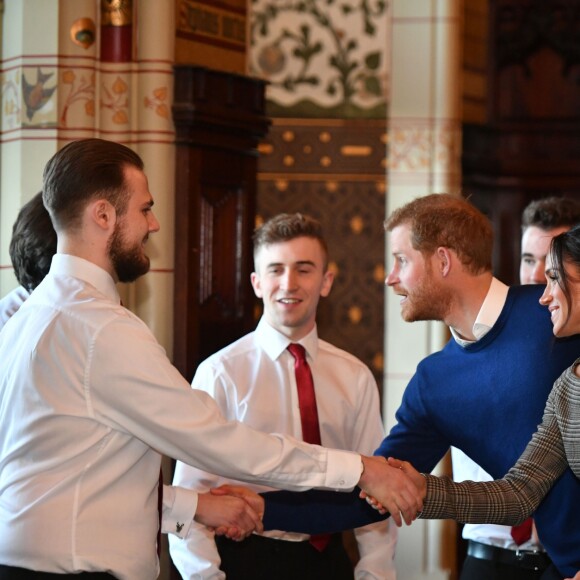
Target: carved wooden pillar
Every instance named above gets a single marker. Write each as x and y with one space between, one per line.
219 120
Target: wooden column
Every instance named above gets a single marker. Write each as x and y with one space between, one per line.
219 120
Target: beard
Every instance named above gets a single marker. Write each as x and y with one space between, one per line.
129 261
427 301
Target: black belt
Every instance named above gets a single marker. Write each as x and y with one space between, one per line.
526 559
14 573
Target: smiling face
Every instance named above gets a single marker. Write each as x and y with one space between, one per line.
411 277
127 242
535 248
290 278
565 314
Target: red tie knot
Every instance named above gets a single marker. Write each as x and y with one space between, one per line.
297 351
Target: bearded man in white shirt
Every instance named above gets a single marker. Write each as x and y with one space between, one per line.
253 380
32 246
89 400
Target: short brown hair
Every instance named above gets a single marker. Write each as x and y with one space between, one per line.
550 213
82 171
285 227
445 220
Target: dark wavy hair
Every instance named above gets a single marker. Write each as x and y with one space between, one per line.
33 243
565 250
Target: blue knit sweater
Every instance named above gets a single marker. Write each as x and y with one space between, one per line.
486 399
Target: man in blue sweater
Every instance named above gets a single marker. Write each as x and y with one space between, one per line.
493 550
498 369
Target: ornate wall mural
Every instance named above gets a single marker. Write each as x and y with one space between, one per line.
78 92
323 58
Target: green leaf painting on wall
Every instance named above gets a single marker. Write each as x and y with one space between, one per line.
322 58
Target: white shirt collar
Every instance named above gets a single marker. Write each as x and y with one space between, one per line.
67 265
275 343
488 313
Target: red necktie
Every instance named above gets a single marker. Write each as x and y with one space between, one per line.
523 532
308 415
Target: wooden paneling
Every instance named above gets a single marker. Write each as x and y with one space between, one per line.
219 120
528 146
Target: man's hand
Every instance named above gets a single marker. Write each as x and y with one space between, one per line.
255 501
419 481
228 515
577 577
392 488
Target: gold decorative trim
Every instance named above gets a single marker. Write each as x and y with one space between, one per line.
356 150
116 12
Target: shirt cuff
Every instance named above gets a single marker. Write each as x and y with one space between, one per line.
179 507
343 470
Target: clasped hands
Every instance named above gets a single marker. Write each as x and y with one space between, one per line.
231 510
393 486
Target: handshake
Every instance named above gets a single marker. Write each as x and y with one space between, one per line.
388 486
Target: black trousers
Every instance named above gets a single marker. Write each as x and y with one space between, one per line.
260 558
13 573
479 569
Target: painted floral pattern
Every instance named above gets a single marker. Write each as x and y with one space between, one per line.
321 57
115 98
80 89
158 102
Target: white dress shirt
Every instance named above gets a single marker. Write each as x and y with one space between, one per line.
464 468
10 304
88 403
253 381
178 505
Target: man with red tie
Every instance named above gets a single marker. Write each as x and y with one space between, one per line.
282 378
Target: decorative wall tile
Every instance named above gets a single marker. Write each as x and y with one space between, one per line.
421 147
